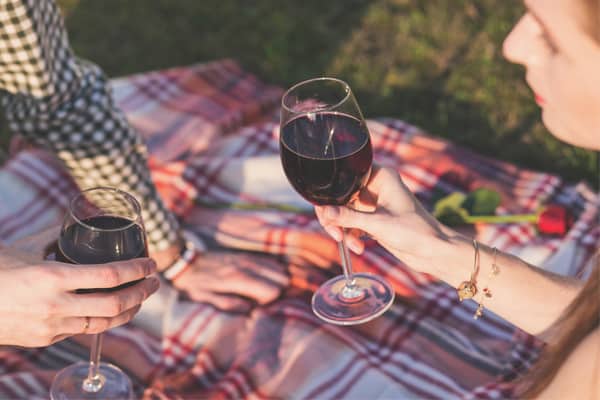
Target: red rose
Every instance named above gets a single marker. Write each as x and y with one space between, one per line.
554 220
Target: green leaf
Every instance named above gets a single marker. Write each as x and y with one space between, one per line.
449 210
482 201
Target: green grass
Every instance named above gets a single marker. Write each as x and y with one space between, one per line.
436 63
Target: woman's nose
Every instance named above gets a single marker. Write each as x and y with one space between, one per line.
511 46
518 46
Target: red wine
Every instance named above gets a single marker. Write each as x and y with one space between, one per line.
118 239
326 156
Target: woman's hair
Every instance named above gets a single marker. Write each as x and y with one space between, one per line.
580 318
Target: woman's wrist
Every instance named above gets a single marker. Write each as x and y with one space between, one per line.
452 259
454 262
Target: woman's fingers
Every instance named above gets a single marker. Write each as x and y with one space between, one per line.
352 236
101 276
346 218
355 244
334 231
110 304
59 338
366 201
334 219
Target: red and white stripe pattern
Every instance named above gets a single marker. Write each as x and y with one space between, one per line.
202 120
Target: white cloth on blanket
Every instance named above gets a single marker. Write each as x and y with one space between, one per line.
263 178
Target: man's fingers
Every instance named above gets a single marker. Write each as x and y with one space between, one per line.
88 325
244 282
252 276
102 276
98 325
221 301
111 304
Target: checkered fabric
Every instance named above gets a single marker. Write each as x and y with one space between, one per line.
213 136
62 103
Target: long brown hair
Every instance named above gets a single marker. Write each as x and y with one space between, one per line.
580 318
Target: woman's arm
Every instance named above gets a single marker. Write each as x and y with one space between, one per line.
525 295
522 294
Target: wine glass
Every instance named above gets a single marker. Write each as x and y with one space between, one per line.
327 155
102 225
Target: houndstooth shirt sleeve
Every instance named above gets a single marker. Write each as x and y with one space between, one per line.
63 103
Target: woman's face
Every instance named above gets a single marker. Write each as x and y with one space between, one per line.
562 61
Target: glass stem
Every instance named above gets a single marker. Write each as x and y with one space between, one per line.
95 381
350 290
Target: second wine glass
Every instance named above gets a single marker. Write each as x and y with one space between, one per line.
326 154
103 225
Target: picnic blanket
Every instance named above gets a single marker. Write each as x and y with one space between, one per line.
212 132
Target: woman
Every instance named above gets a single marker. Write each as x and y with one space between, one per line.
558 42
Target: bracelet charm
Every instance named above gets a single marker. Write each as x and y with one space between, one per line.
468 289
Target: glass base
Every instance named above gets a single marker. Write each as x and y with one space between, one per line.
368 298
69 383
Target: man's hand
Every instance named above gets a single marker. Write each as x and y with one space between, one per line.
233 281
38 302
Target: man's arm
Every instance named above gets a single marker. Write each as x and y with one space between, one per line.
64 104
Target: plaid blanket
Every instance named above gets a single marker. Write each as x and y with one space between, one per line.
212 132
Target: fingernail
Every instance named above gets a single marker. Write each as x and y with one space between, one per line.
335 234
354 247
331 212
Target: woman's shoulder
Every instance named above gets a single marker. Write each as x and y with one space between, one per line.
578 377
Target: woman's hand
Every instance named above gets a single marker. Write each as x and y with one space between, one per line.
387 211
233 281
38 303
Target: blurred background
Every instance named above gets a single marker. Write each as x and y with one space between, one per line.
436 64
